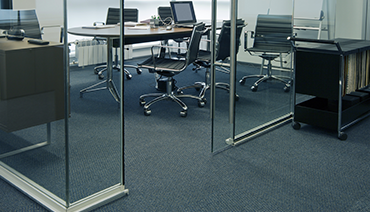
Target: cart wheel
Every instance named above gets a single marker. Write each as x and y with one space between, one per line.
296 126
342 136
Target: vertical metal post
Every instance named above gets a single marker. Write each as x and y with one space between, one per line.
233 16
66 102
213 78
122 139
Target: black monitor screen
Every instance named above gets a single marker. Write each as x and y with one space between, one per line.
183 12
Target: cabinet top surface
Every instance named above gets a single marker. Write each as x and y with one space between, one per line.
348 46
7 45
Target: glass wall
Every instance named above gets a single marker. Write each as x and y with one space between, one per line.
260 102
60 147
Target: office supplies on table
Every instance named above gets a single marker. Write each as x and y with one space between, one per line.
38 41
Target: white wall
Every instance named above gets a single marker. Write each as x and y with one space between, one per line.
349 19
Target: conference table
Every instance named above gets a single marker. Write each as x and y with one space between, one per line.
132 35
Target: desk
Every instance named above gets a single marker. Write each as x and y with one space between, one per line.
132 35
31 84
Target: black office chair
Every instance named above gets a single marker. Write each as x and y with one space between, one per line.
113 17
222 54
165 15
28 21
169 67
270 41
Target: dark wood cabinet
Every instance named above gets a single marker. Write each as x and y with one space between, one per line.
31 84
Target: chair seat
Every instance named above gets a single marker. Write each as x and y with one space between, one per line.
270 49
164 64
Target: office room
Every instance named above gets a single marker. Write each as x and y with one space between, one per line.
241 151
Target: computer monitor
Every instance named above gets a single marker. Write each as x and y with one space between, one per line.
183 12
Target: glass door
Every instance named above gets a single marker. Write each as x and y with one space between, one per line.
246 111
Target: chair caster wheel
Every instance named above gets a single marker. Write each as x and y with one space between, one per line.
128 76
242 81
237 97
342 136
101 76
254 88
286 89
296 126
147 112
202 103
138 71
142 102
96 71
183 113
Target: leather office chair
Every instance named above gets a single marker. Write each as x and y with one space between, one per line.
169 67
29 22
270 41
165 15
113 17
222 54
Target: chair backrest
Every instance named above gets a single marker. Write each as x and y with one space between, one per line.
165 14
193 49
223 41
271 33
29 23
113 15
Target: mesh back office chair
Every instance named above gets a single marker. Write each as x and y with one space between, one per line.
165 14
270 41
28 21
222 53
113 17
169 67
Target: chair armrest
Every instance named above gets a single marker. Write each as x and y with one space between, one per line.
53 26
246 38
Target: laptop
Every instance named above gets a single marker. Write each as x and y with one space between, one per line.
183 13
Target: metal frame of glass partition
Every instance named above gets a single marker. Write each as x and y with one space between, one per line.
235 139
47 198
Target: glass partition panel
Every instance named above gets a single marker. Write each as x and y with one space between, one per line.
264 79
32 103
249 110
62 148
